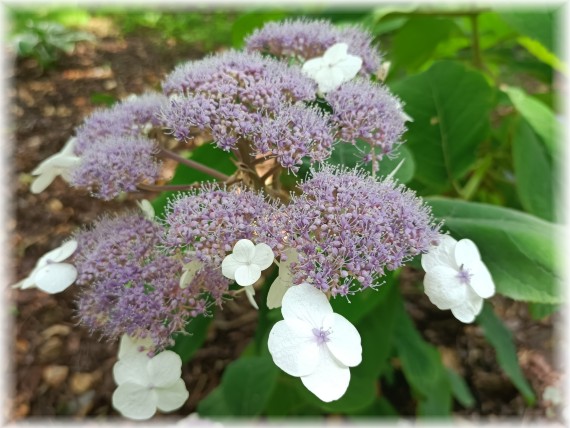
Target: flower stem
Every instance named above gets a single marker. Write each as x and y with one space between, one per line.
167 187
193 164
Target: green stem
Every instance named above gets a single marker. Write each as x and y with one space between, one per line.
167 187
475 47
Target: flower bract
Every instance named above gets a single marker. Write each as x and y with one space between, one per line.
334 68
456 278
60 163
314 343
247 261
147 384
49 274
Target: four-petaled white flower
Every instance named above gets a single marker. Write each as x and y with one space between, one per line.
283 281
314 343
147 384
245 264
456 278
60 163
334 68
49 274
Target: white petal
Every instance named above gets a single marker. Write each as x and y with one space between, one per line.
329 79
29 281
250 292
130 345
173 397
67 150
293 347
406 117
190 271
344 340
481 280
440 255
229 266
330 380
247 274
276 292
263 256
468 309
466 253
132 368
312 66
244 250
135 401
336 53
349 66
164 369
55 277
443 288
63 252
306 303
147 208
42 182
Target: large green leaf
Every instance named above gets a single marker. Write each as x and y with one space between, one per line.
533 170
518 248
538 24
450 105
409 51
187 344
501 339
539 117
422 366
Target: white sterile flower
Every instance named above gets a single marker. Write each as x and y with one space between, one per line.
131 345
147 384
314 343
247 261
283 281
147 208
334 68
456 278
60 163
190 271
49 274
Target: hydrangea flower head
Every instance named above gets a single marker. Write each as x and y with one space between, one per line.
61 163
314 343
50 274
304 39
334 68
348 228
456 278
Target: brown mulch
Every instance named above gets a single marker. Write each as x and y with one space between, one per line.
60 369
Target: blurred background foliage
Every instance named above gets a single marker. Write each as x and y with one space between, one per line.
483 88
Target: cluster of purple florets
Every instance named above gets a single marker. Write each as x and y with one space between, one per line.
302 39
129 285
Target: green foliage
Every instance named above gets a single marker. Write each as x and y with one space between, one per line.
518 248
249 21
501 339
450 105
186 345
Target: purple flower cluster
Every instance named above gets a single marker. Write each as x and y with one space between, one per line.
304 39
370 112
348 227
245 97
115 153
206 224
117 165
128 285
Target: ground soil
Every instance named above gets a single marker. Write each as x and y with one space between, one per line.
59 369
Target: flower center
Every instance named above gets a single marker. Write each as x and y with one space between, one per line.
464 276
321 335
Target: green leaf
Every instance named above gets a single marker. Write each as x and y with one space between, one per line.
460 389
537 24
450 105
422 366
249 21
247 384
206 154
536 49
351 155
539 117
186 345
533 170
287 399
540 311
214 404
501 339
409 51
518 248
